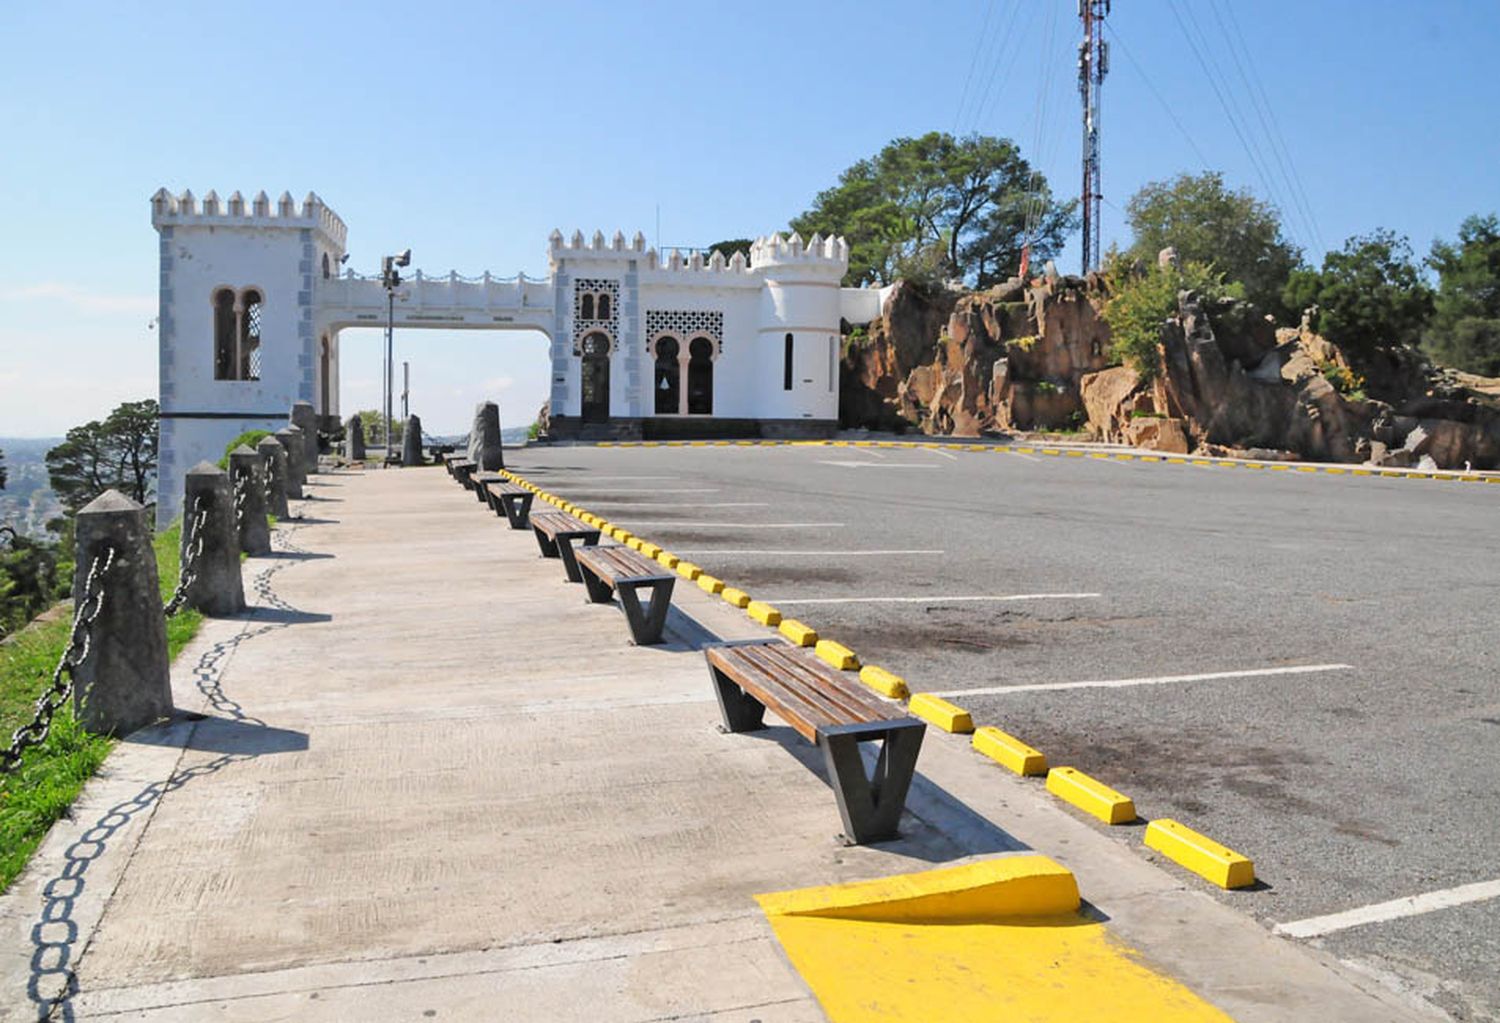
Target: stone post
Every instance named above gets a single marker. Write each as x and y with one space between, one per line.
125 682
249 478
411 442
274 464
216 588
291 439
484 438
354 439
304 418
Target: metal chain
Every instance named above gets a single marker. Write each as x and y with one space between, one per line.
80 641
192 550
270 478
240 489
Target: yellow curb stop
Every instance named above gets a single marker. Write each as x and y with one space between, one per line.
885 683
1200 854
764 613
938 711
1091 796
1008 751
836 654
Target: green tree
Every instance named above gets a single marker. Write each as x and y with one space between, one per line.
28 578
958 207
1140 304
118 453
1206 222
732 245
373 422
1465 331
1368 296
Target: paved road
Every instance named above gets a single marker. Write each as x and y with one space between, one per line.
1356 765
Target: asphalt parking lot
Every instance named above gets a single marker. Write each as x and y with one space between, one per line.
1301 666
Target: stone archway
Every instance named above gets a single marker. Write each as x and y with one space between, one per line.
595 378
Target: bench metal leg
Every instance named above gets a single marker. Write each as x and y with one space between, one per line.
646 623
741 711
871 805
599 591
549 547
565 551
517 509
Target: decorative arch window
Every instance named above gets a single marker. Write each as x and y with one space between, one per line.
249 335
325 266
603 307
700 375
586 307
225 315
667 378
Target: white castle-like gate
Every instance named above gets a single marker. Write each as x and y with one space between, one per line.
641 343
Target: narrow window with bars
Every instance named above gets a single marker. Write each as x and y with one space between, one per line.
250 336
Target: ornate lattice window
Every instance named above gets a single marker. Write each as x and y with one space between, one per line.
250 336
685 323
596 307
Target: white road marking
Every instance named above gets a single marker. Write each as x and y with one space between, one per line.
588 477
939 451
1121 683
1029 458
638 490
852 464
681 504
929 600
1395 909
778 552
716 524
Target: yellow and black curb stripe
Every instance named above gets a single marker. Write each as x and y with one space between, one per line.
1196 852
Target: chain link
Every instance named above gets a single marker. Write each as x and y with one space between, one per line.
192 550
80 641
241 487
270 478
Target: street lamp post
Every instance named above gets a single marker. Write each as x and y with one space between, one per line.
390 278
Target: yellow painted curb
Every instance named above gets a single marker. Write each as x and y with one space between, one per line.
708 584
635 543
668 560
883 682
1092 797
938 711
1025 885
836 654
650 550
765 614
1008 751
1200 854
688 570
738 598
800 634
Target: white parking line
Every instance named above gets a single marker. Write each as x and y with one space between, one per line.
588 476
1121 683
638 490
716 524
682 504
780 552
855 464
1395 909
937 451
928 600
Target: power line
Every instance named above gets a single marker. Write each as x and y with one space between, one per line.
973 63
1166 107
1007 50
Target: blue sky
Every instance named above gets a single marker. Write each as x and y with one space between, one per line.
468 131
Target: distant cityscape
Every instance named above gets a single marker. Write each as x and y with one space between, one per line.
27 503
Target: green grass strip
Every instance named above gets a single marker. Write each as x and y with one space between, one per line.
50 777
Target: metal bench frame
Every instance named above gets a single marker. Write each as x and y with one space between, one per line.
511 501
646 623
560 544
870 805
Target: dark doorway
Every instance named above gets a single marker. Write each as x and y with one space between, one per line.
668 380
701 377
596 378
325 407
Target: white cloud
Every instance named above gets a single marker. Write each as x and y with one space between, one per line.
79 297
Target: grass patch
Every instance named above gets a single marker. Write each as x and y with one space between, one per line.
50 777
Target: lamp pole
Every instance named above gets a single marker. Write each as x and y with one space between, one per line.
390 278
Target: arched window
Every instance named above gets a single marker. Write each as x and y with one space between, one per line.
668 378
249 354
786 366
325 266
586 307
700 396
225 362
604 307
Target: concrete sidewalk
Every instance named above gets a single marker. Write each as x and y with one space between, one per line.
432 782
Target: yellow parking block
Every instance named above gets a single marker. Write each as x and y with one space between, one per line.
708 584
688 570
1008 751
764 613
800 634
635 543
885 683
1092 797
650 550
667 559
836 654
734 597
938 711
1200 854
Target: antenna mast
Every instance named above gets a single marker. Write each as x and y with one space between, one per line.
1093 65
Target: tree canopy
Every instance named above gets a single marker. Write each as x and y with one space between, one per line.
940 207
118 453
1369 295
732 245
3 476
1465 329
1207 222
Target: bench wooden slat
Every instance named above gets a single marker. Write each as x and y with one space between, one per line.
616 563
829 698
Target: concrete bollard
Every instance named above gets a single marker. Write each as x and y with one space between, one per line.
484 438
274 464
249 478
216 588
411 442
305 419
354 439
125 683
291 439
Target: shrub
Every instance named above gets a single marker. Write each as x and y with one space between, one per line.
249 438
1141 303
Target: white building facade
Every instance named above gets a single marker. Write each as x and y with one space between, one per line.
642 344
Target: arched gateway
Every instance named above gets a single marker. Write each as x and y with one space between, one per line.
642 344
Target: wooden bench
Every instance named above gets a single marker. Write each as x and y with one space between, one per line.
461 469
555 533
511 501
480 481
620 570
831 710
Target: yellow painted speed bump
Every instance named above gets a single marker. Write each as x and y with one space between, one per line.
883 682
1092 797
800 634
938 711
1200 854
737 598
1008 751
765 614
708 584
688 570
836 654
